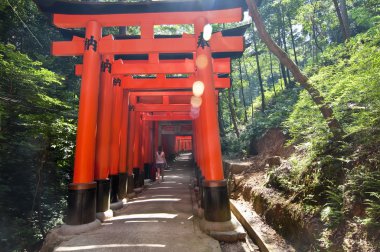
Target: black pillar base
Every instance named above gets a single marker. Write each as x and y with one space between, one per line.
130 185
123 180
216 201
136 177
114 188
141 178
201 191
103 195
147 168
198 175
81 204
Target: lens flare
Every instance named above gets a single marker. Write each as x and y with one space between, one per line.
207 32
198 88
194 113
201 61
196 102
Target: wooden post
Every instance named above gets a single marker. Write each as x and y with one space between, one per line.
216 202
123 172
82 192
115 141
131 139
137 151
103 136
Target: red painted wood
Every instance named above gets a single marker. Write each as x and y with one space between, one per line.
163 83
186 44
103 137
80 21
115 130
124 133
213 169
131 139
84 162
171 117
162 107
222 66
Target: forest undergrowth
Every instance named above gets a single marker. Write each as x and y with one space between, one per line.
339 181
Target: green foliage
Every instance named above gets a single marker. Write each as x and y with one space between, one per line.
233 146
348 80
373 210
334 179
362 17
23 26
277 111
363 188
305 122
34 134
332 213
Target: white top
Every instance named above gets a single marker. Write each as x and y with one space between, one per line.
160 158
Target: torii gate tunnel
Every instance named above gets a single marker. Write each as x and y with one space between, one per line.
132 83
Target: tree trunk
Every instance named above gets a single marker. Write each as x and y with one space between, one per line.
315 37
37 199
314 28
230 117
282 68
242 93
281 73
271 73
312 51
259 74
220 115
292 36
233 114
318 99
343 10
250 86
233 94
343 26
283 35
249 80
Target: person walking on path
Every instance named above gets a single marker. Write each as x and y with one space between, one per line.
160 163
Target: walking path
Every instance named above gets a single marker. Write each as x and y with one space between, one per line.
159 219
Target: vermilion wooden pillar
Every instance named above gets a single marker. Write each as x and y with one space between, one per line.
131 139
123 172
141 152
151 143
147 141
115 141
203 155
82 192
158 137
137 151
155 125
103 136
200 126
216 201
146 147
194 138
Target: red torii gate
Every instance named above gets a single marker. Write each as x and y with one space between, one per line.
101 152
183 143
